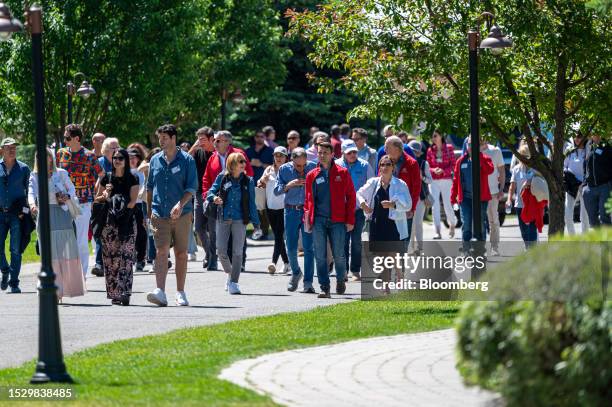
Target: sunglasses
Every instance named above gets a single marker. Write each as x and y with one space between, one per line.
292 138
386 165
118 158
219 141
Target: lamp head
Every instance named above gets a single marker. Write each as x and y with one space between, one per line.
496 40
8 24
85 90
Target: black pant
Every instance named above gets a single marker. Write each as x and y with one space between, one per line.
205 228
141 233
277 222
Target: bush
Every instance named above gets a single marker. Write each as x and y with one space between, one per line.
538 353
25 153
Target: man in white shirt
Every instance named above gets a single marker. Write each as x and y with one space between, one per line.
497 180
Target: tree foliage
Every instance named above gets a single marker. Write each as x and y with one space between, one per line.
411 58
150 61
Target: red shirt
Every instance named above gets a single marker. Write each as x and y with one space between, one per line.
447 162
214 168
342 195
410 173
486 168
337 146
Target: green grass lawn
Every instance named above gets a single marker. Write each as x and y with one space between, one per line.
181 367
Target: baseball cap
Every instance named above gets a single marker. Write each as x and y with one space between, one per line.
134 152
348 146
8 141
416 146
281 150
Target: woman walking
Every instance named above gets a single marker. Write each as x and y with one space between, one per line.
119 190
139 213
276 209
64 250
234 193
385 200
441 159
573 177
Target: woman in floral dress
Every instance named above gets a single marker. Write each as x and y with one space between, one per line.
119 190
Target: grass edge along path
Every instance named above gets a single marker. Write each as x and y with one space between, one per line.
181 367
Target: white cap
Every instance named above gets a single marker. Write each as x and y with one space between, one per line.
348 146
282 150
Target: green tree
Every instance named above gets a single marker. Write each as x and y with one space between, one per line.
410 58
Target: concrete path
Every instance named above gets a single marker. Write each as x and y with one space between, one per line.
404 370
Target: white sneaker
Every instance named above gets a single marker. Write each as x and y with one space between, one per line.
495 253
193 257
233 288
157 297
257 234
181 299
271 268
286 269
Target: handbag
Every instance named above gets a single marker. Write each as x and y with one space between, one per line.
366 228
73 208
260 198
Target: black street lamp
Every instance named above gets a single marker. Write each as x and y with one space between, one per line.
50 366
496 41
84 91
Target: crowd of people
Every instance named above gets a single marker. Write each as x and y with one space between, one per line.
318 200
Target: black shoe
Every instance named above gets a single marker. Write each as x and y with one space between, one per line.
97 271
294 281
324 293
309 290
169 264
205 264
140 266
125 300
14 290
340 287
116 302
5 279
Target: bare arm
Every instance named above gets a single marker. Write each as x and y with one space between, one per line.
133 196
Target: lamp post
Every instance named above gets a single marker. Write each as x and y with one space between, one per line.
50 366
84 91
496 41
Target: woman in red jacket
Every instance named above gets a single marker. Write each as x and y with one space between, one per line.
461 192
441 160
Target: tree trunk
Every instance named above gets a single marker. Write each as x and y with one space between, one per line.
556 207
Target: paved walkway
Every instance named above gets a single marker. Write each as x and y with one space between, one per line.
403 370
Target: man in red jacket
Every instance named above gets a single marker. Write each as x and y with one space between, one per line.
214 167
461 192
329 210
407 169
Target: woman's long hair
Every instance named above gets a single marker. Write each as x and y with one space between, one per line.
126 162
49 155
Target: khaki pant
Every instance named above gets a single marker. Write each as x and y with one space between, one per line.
493 218
169 232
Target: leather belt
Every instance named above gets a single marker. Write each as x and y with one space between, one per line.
296 207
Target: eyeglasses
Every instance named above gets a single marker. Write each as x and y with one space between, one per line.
386 165
118 158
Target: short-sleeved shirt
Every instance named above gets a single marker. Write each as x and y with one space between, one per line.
83 168
520 175
265 155
495 154
121 185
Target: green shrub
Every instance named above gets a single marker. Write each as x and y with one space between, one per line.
543 353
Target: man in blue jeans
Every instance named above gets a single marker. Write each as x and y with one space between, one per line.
14 178
597 181
330 212
290 181
360 171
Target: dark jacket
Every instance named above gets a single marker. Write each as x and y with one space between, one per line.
598 164
26 223
570 183
120 216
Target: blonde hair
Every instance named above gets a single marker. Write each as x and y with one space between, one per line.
106 143
232 161
50 155
524 151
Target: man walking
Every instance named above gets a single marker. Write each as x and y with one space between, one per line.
388 132
290 181
360 172
497 180
201 151
406 169
170 189
83 168
365 152
14 178
330 213
261 157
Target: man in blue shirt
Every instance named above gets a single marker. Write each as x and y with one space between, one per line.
14 178
170 188
261 156
290 181
360 171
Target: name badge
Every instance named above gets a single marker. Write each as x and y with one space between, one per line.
227 185
439 160
320 180
598 151
464 166
175 169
